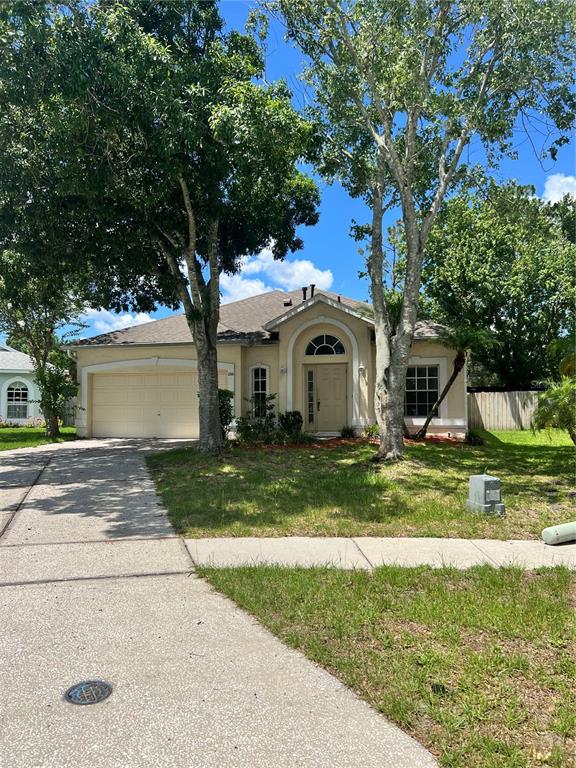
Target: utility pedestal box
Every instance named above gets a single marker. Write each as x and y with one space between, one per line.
485 495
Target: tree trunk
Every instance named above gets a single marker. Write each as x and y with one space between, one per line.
52 425
459 361
201 302
389 402
210 438
392 356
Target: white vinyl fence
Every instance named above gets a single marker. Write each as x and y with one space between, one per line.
501 410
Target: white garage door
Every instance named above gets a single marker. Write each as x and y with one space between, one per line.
133 404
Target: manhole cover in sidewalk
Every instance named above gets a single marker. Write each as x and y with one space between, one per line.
88 692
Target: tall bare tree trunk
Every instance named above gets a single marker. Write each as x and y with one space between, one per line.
210 437
388 391
201 302
393 345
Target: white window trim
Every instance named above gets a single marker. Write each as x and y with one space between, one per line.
355 399
442 419
144 362
251 374
32 395
334 354
252 369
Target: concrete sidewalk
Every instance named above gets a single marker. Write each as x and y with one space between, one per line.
367 553
95 585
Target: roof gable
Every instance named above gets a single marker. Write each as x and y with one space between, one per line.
362 311
247 321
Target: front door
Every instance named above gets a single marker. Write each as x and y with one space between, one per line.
331 405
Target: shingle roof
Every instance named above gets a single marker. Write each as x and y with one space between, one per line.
11 360
242 320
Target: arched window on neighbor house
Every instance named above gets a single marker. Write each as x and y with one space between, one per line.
325 344
17 401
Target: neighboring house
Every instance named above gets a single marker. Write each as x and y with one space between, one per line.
313 349
18 391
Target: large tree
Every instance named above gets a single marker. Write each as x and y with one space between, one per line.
499 259
177 159
402 88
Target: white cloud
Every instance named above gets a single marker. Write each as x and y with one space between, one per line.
557 185
263 273
103 321
236 287
289 274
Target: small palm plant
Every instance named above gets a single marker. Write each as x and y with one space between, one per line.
556 408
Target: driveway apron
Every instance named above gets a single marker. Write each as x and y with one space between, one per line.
95 585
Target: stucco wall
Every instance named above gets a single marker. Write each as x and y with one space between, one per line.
230 355
286 361
258 356
6 379
453 414
295 335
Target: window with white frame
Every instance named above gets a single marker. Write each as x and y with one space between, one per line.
326 344
421 390
259 390
17 401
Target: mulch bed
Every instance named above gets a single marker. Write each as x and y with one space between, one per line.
336 442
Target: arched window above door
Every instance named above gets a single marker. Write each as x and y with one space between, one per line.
325 344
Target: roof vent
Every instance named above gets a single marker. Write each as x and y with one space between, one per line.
339 299
304 292
312 286
287 302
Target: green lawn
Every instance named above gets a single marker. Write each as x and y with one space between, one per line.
325 491
27 437
478 665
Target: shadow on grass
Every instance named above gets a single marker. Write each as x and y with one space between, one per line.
25 437
332 488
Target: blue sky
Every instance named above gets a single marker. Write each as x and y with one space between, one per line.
330 257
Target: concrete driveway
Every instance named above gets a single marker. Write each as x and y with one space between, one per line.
94 584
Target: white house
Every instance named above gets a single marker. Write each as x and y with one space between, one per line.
18 391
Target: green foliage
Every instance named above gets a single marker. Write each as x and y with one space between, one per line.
35 305
420 75
57 384
148 139
402 88
259 424
291 423
500 262
556 408
347 431
225 402
372 432
474 437
563 353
